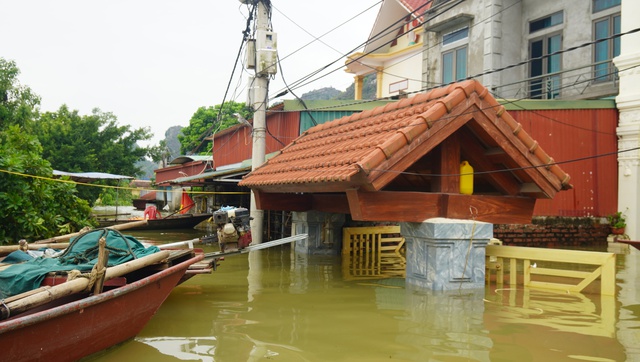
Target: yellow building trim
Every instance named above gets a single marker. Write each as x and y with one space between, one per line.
358 79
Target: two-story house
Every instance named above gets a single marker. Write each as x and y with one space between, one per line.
542 49
393 52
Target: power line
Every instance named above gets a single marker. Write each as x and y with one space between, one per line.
546 165
319 38
299 83
245 35
503 69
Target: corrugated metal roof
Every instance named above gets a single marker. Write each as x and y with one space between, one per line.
313 113
219 174
544 104
90 176
223 172
184 159
332 105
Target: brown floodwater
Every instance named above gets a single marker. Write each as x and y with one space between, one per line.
275 305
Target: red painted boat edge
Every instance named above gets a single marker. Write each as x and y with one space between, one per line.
86 326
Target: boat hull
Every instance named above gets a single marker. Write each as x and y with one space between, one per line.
82 327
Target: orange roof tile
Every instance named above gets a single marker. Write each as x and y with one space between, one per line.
362 150
420 5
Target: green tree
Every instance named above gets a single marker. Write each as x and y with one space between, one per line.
206 122
32 205
160 153
18 105
95 142
122 195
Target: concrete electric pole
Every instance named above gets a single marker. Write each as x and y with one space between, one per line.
261 56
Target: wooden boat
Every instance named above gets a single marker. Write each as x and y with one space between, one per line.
634 243
79 324
182 221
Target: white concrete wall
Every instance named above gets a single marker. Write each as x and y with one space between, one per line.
628 102
407 67
499 37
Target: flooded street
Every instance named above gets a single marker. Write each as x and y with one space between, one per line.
275 305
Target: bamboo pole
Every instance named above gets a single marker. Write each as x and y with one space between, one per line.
124 226
76 285
53 243
7 249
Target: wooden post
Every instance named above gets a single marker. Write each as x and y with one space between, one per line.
608 276
99 268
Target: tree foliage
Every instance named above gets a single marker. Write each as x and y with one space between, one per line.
18 105
160 153
32 205
111 196
205 122
94 142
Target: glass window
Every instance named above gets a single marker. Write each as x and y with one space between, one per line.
605 50
447 68
545 81
455 36
547 22
454 65
599 5
461 63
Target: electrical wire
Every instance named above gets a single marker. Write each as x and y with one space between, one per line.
298 98
60 180
492 71
319 39
245 35
304 80
289 89
478 75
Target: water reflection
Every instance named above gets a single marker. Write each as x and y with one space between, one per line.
196 348
277 305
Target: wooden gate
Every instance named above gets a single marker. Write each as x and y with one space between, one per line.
373 252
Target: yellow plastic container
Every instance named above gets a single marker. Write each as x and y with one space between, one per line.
466 178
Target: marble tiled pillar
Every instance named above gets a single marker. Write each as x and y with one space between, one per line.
324 230
446 254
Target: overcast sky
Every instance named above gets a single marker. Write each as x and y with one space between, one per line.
152 63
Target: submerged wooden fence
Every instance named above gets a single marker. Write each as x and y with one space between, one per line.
373 252
554 272
379 252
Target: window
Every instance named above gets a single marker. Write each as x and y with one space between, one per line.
455 36
546 22
605 50
543 68
454 65
599 5
454 58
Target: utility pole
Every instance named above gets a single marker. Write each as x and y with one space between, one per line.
261 56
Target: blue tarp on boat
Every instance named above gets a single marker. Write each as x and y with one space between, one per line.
82 254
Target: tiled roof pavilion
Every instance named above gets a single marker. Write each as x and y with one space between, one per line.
401 162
